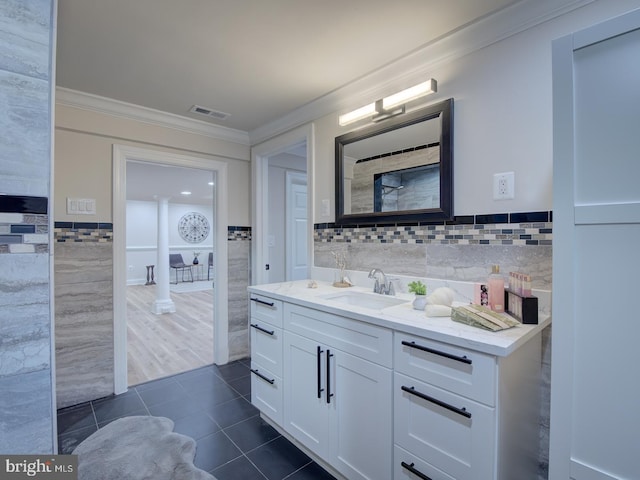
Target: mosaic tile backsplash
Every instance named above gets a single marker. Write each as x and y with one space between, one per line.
521 229
24 224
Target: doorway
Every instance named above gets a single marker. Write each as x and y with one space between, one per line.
217 171
282 208
170 329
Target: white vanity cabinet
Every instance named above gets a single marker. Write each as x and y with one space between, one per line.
378 395
337 395
462 414
266 356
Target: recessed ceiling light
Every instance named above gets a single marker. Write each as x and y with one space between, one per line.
211 183
185 193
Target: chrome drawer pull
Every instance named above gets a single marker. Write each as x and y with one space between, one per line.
266 379
457 358
414 470
460 411
258 327
257 300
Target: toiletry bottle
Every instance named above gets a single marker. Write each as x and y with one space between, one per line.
496 290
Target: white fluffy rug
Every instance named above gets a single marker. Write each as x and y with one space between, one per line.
138 448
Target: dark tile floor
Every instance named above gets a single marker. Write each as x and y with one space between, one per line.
211 405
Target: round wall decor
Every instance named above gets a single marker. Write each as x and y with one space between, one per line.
193 227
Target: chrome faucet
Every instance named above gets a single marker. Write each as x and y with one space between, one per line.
384 288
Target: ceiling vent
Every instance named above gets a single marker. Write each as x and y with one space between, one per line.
207 112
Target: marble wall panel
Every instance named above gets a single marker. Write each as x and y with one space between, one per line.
392 258
25 320
239 252
238 345
80 262
24 37
472 263
84 342
25 142
545 403
83 321
26 423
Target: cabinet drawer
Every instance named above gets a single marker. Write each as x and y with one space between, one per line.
405 466
461 371
266 392
266 309
450 432
361 339
266 345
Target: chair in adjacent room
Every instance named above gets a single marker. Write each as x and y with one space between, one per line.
177 263
210 266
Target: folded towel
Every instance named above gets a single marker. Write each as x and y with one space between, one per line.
439 302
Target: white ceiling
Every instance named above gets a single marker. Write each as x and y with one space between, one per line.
256 60
147 180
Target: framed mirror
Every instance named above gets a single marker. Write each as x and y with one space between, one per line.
399 170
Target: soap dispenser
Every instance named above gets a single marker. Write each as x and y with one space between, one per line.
496 290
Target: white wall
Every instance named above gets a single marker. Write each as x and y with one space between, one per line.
502 117
142 221
83 168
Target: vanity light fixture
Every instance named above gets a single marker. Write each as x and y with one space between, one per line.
390 106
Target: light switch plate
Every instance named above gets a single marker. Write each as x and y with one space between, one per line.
81 206
326 207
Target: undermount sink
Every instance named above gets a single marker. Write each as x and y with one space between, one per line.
365 300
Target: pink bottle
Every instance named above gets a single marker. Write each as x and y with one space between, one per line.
496 290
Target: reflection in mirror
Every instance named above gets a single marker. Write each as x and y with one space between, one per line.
401 170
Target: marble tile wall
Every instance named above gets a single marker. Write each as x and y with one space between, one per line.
84 320
26 404
239 277
464 250
25 121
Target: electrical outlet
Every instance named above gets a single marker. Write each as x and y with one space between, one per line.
503 186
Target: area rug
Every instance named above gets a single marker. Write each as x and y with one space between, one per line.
138 448
188 287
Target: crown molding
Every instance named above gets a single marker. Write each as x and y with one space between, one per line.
116 108
413 67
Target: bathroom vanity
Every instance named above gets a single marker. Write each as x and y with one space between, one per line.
373 389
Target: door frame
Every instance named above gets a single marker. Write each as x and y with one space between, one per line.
122 154
260 185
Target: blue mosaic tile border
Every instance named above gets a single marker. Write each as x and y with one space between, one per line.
238 233
78 232
524 229
24 224
83 232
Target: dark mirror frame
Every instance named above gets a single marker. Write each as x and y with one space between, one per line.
434 215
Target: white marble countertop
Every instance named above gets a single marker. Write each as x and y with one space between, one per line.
403 317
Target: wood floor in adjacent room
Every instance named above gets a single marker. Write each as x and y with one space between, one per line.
163 345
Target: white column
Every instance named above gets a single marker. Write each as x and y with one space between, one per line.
163 302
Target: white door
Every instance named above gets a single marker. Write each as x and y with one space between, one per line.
595 419
296 227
